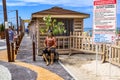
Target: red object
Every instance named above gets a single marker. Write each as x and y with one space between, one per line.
103 2
50 42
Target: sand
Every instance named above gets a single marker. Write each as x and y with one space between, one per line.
83 67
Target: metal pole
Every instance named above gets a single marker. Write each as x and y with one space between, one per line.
17 21
6 31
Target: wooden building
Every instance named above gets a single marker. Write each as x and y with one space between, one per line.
73 22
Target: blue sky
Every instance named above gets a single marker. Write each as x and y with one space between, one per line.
27 7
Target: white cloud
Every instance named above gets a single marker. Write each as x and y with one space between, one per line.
16 4
73 3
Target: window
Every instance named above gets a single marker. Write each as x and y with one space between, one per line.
68 23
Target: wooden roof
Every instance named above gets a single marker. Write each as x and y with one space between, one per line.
60 12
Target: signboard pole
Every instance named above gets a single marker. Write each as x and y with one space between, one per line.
110 61
96 58
104 25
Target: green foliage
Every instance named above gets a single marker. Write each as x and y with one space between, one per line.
52 25
2 28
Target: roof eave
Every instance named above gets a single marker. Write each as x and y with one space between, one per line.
62 16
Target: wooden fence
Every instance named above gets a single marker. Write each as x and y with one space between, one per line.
81 42
110 53
63 45
78 42
14 46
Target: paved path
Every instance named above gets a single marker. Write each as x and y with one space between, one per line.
25 55
25 69
2 44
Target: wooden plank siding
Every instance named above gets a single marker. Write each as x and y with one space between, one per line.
78 25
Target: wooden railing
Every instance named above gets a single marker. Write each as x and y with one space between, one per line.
110 53
77 42
14 46
84 43
63 43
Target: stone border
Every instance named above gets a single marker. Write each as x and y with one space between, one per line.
74 78
5 73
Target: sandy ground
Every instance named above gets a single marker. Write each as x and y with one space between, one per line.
3 55
83 67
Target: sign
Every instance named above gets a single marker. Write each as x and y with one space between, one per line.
6 25
26 21
104 38
104 25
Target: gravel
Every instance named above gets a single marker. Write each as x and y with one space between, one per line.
2 44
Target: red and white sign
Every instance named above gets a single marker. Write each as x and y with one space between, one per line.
104 18
104 2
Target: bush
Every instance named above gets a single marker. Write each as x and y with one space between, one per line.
2 28
2 31
52 25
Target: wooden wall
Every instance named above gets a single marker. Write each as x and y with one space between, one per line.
78 25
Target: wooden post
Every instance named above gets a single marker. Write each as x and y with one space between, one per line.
16 47
63 43
79 41
70 44
115 54
73 37
12 57
18 41
34 56
119 55
17 21
104 53
8 45
76 40
6 31
4 10
17 44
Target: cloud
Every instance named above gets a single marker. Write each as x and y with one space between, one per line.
72 3
69 3
16 4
